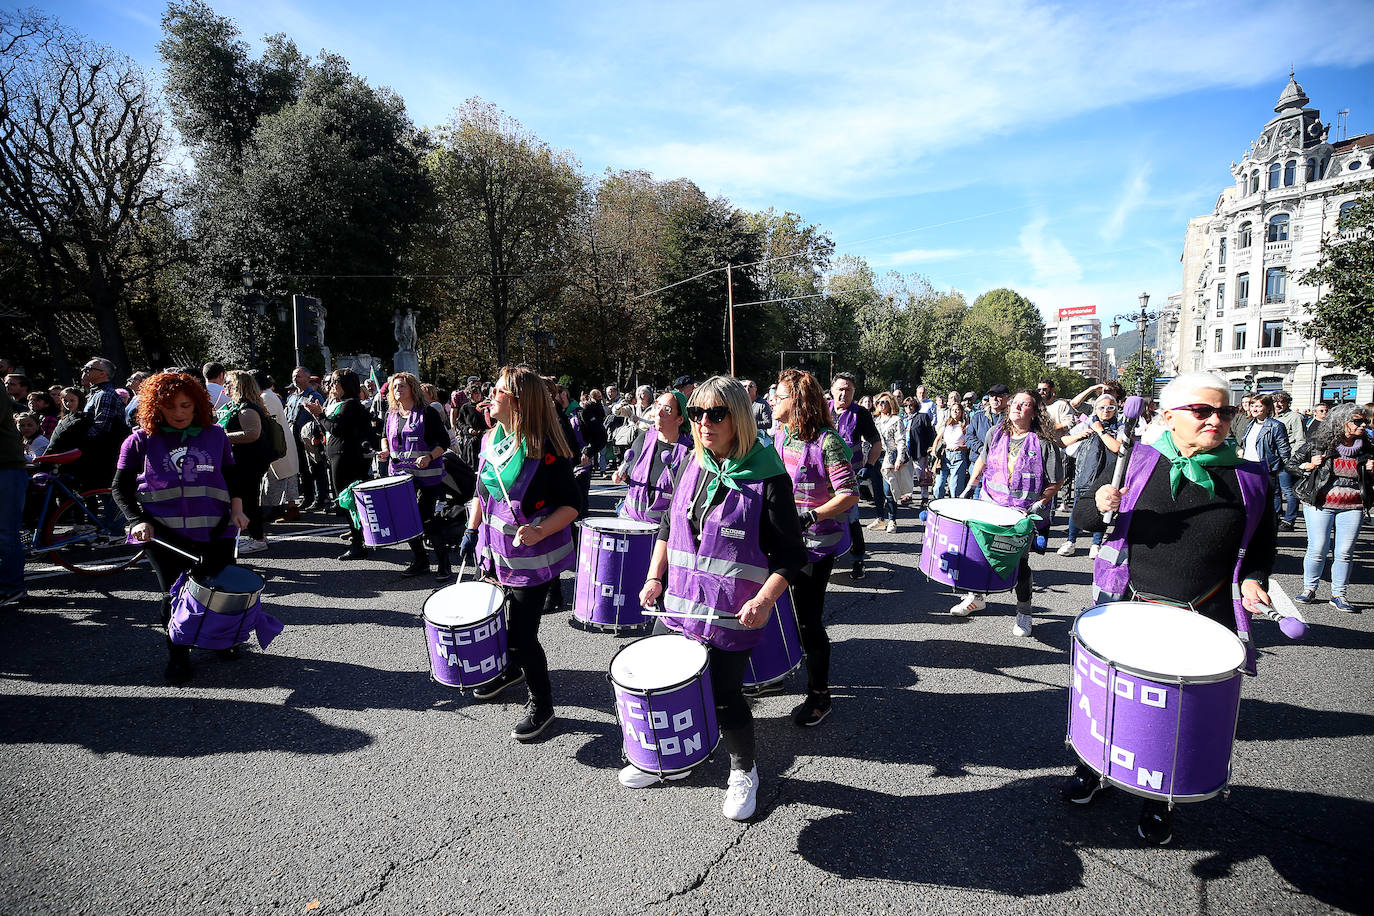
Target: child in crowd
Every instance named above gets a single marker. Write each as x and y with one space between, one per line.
31 430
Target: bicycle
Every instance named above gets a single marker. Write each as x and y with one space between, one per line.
79 530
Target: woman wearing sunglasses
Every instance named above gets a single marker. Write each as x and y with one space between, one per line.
652 460
519 528
413 442
729 545
1195 527
1335 468
1097 435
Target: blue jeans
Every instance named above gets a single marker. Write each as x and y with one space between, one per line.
1320 523
953 476
887 503
14 484
1074 530
1290 509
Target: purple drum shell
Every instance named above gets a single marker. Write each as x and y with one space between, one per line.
950 555
193 623
388 509
664 703
612 563
465 631
1152 736
780 651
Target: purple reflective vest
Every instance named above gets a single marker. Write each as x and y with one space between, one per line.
182 485
1111 569
646 502
811 488
846 424
722 572
406 440
1027 477
518 566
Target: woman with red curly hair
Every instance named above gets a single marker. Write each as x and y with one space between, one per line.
175 481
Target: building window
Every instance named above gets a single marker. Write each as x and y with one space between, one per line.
1276 284
1216 341
1271 335
1275 171
1197 335
1354 165
1238 337
1244 240
1221 298
1254 181
1311 169
1278 228
1290 173
1221 255
1345 210
1242 290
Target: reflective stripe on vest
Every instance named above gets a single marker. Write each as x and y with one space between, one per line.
170 493
680 605
729 568
407 444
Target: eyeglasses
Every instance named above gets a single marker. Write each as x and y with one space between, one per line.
715 414
1111 407
1205 411
1360 421
780 396
1043 390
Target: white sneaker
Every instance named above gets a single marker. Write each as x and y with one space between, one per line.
1022 627
252 546
891 527
1067 550
1092 552
742 795
877 525
972 602
632 777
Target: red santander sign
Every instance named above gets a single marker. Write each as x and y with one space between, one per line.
1077 311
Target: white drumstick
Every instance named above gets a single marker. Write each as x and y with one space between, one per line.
189 556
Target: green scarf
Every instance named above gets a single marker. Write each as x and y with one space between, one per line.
189 432
1195 468
685 428
349 503
761 463
502 461
1003 546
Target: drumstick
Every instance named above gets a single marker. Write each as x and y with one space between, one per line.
189 556
1281 611
1134 407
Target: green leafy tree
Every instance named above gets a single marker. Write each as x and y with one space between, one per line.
1130 372
1341 319
1011 317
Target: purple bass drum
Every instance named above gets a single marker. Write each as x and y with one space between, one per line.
1154 697
664 703
780 651
465 631
220 611
388 509
612 564
950 553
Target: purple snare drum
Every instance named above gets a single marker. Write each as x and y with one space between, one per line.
220 611
1154 698
664 703
465 629
388 510
612 564
780 652
950 553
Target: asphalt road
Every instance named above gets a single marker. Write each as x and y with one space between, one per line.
328 774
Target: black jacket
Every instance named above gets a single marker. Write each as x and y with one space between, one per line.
1312 485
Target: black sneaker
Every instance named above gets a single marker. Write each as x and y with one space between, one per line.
857 570
1156 826
354 553
416 568
537 718
762 690
812 711
509 679
1082 786
444 574
1286 525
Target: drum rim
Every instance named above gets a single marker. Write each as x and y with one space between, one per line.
930 507
647 692
591 523
377 483
499 609
1182 679
219 600
1158 796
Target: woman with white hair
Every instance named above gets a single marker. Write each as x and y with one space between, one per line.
1195 529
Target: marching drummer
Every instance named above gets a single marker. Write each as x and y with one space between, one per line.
727 549
175 481
818 463
1195 529
1021 468
653 460
414 442
519 528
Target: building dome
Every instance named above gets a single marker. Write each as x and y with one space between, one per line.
1292 95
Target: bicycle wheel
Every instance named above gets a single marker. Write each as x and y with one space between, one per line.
79 537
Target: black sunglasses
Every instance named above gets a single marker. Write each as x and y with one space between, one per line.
1204 411
1360 421
715 414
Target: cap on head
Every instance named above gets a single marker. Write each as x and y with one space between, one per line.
999 390
682 381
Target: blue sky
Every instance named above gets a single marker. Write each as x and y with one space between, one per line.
1055 149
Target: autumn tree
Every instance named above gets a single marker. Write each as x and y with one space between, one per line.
1341 318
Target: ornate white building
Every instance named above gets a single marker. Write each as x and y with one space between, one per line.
1241 262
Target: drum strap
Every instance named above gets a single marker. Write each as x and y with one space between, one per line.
1192 605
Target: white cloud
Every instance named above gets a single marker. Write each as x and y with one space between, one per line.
1050 261
922 256
1135 191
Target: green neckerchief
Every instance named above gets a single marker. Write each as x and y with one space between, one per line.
226 413
502 461
349 503
761 463
686 426
335 409
1003 546
788 439
1195 468
189 432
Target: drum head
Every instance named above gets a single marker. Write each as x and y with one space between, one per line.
656 662
382 482
962 510
1159 639
463 604
233 579
619 525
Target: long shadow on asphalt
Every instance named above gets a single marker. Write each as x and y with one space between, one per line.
1019 839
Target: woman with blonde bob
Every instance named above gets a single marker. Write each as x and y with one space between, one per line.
519 528
413 442
244 417
733 505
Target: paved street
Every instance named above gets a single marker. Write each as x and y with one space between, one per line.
329 774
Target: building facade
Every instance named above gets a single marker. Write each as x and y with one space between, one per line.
1074 341
1240 290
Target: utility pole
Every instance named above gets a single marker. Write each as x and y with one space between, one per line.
730 308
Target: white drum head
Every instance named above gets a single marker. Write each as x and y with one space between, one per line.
980 510
1160 639
381 482
657 661
463 604
619 525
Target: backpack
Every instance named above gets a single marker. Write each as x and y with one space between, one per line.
276 436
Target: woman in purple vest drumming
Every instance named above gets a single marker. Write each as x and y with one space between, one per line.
652 461
818 463
519 528
1196 529
727 548
414 442
176 481
1020 468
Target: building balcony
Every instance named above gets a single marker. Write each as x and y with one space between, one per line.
1275 298
1243 303
1278 249
1258 356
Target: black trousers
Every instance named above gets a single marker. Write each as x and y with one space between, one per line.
525 610
428 497
168 565
1023 578
726 670
808 597
858 550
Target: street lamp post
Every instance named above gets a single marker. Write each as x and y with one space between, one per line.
1142 321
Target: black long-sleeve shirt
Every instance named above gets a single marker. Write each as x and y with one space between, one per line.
551 487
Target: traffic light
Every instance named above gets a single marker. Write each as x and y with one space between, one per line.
307 312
